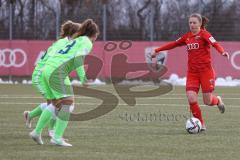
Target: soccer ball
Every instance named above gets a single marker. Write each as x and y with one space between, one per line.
193 125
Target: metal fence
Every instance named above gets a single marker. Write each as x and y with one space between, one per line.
140 20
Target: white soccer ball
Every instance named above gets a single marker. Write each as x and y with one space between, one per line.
193 125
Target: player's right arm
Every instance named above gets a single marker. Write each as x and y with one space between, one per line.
179 42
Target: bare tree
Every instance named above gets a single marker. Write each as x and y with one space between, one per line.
142 14
128 19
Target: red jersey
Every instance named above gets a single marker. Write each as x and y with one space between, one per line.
198 47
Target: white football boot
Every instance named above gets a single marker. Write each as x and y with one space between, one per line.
60 142
37 138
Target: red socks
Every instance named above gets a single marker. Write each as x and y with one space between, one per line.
215 101
196 111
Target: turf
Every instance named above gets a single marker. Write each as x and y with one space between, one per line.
153 129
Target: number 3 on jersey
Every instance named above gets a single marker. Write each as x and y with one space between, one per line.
67 48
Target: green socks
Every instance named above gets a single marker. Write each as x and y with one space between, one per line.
45 117
38 111
35 112
62 121
60 127
51 124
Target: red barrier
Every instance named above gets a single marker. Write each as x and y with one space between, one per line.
18 57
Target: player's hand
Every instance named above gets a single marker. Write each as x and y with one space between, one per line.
225 54
148 57
153 54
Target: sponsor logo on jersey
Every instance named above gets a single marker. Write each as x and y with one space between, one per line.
212 40
192 46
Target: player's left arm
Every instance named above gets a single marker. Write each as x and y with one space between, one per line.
79 61
81 73
210 39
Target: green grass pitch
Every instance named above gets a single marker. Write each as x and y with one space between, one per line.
153 129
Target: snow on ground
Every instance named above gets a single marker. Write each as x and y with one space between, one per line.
227 81
173 79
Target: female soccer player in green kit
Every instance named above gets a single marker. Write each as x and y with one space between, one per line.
67 30
56 69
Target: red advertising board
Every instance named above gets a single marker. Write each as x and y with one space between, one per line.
19 57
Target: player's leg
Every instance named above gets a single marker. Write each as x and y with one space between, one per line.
194 106
29 115
208 85
47 114
52 122
65 108
192 89
62 90
37 81
44 119
37 111
51 126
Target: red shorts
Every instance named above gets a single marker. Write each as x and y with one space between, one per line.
205 79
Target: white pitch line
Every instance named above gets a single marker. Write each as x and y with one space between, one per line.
121 104
182 94
83 97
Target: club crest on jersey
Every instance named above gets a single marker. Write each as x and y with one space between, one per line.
197 37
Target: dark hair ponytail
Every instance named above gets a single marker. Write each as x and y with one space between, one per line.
205 21
68 28
88 28
202 19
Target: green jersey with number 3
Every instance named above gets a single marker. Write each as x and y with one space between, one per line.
71 56
59 66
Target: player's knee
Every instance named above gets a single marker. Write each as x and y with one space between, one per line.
43 106
67 108
64 101
56 103
191 98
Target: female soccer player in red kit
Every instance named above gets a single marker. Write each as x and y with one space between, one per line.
200 71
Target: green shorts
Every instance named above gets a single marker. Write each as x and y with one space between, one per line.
55 83
37 78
